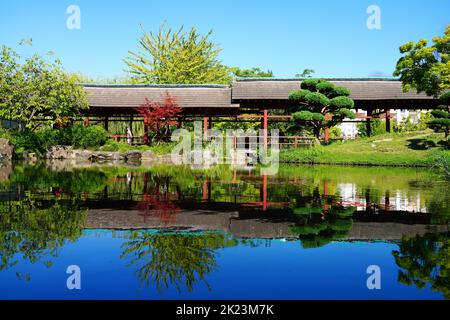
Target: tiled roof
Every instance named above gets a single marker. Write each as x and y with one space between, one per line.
362 89
186 96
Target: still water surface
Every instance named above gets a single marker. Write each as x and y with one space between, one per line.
176 233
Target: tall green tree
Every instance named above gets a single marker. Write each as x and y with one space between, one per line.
426 68
320 104
441 116
169 57
36 88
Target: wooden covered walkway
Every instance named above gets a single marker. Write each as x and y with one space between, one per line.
249 100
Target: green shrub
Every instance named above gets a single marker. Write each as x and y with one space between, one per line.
377 127
28 141
342 91
110 146
89 137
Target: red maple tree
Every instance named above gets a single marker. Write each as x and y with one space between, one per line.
159 116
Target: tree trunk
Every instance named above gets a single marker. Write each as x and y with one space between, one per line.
316 132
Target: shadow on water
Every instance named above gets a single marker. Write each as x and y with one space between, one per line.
176 220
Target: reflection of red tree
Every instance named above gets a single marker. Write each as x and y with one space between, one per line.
160 206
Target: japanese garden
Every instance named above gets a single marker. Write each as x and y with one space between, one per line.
88 175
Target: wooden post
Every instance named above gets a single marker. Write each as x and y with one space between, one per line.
205 190
205 126
264 192
145 134
106 123
388 120
265 127
368 126
296 142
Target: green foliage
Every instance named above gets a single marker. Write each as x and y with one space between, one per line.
28 141
172 259
377 127
251 73
343 102
342 91
445 98
36 89
298 95
320 104
169 57
325 87
308 116
441 120
425 260
309 84
41 140
110 146
306 73
425 68
89 137
317 99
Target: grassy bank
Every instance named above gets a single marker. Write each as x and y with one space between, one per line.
420 148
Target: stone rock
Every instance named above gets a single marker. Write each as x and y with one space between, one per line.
30 156
59 152
6 150
82 154
148 155
133 155
117 156
100 156
5 171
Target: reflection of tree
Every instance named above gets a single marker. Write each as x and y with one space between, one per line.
173 259
317 227
425 260
157 200
35 232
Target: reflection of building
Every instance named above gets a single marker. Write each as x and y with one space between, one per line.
400 201
258 226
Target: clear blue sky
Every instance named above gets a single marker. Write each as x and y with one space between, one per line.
285 36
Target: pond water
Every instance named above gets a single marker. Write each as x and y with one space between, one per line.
309 232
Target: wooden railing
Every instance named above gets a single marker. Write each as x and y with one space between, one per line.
135 140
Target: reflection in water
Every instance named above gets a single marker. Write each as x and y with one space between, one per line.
425 260
173 259
35 230
178 219
316 227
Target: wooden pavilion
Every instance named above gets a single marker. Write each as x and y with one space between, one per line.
249 99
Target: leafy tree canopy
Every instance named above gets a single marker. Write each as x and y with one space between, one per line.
320 104
306 73
251 73
36 88
169 57
425 68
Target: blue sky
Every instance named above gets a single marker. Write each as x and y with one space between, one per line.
285 36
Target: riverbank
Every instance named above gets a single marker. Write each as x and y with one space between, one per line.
412 149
